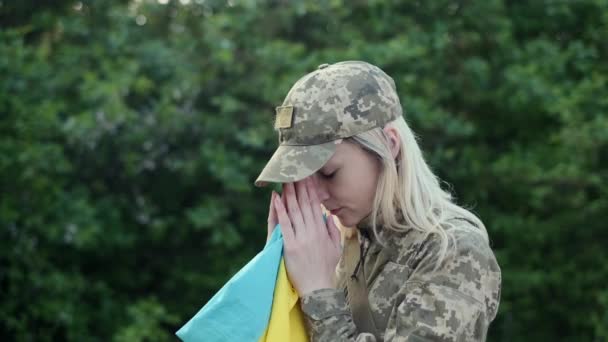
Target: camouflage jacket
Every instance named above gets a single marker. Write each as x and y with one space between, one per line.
411 299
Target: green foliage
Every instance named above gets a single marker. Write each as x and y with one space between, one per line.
131 133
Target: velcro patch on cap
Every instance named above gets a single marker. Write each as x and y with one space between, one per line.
284 117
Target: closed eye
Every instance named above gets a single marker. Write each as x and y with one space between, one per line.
329 176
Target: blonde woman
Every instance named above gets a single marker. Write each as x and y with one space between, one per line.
419 267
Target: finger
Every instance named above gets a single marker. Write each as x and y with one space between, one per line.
315 204
305 205
284 221
272 216
284 198
293 208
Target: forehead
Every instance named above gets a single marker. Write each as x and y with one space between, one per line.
345 151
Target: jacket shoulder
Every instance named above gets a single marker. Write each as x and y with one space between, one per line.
468 266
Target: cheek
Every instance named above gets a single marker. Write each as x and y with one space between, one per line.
365 186
368 191
356 190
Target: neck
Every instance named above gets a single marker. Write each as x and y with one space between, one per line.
365 227
365 223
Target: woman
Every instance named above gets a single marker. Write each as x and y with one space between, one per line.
422 268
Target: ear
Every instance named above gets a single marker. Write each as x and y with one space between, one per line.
394 140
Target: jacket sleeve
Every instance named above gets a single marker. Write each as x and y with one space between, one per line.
328 317
453 302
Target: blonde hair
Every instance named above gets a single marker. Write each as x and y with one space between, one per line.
410 186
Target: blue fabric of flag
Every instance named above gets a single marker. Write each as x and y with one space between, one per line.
240 310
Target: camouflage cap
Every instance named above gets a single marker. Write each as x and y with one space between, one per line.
334 102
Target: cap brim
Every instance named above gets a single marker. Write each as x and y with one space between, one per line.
291 163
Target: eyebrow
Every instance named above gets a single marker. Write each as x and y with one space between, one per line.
332 164
328 167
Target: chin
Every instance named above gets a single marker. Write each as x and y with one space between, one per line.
347 221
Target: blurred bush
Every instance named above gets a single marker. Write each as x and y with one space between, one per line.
131 133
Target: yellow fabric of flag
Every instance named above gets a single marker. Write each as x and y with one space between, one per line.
286 318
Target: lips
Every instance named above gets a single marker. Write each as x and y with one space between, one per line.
335 211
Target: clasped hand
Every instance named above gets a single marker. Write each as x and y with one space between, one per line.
311 245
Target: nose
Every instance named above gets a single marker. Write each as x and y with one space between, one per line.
322 190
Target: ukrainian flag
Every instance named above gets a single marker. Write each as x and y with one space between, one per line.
257 304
